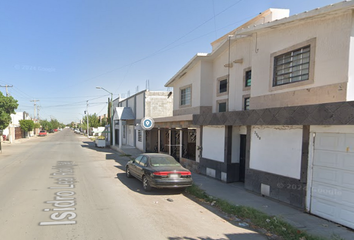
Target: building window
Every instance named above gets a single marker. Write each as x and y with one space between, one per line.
246 103
222 105
139 136
186 96
222 86
293 66
248 75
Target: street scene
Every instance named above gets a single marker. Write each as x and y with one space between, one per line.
199 120
63 187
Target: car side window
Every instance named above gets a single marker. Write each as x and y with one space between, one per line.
143 161
137 160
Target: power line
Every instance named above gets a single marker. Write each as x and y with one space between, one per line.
6 86
161 49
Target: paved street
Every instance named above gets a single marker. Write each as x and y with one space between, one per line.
62 187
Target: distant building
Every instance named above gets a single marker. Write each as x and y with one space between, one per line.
131 110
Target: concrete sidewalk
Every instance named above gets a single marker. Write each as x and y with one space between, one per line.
236 194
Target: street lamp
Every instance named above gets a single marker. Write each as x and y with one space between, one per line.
112 122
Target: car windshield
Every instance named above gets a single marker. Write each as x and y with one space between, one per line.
42 131
157 161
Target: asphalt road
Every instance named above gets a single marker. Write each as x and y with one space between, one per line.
62 187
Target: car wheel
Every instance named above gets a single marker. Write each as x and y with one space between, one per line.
146 184
127 171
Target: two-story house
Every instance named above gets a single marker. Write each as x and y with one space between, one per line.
272 106
128 113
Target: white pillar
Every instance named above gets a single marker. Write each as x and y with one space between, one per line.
113 133
120 133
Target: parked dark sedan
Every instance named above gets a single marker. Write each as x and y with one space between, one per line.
159 171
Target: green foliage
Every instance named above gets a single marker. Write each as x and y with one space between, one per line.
46 125
257 219
55 123
7 107
26 125
37 125
52 124
104 122
93 121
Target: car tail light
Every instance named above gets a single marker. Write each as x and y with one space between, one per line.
185 173
161 173
166 173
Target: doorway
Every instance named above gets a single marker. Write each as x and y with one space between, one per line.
242 169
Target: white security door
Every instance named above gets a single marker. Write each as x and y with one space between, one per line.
332 192
131 133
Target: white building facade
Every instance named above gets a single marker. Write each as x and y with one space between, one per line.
272 96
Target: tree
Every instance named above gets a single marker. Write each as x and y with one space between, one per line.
26 125
55 123
7 107
93 121
104 122
37 125
46 125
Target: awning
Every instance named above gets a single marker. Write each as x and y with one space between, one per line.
123 113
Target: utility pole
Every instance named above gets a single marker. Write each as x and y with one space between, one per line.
87 118
34 107
38 113
6 86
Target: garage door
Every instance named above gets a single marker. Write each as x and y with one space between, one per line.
332 192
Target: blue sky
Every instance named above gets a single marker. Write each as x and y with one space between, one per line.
57 52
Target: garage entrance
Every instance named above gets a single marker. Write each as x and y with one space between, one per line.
332 190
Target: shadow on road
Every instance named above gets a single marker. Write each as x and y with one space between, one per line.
111 154
132 183
137 186
92 146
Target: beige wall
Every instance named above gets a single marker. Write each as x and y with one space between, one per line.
158 104
240 50
350 87
191 77
206 85
331 53
316 95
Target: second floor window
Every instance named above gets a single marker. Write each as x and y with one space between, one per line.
223 86
292 66
248 75
185 96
